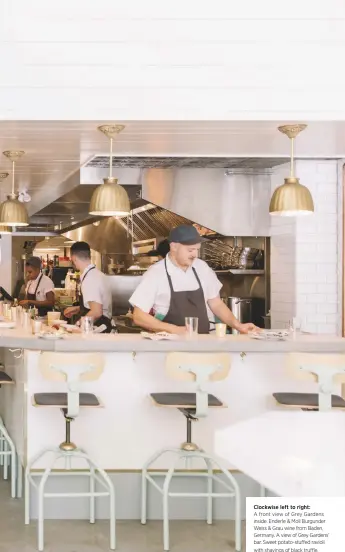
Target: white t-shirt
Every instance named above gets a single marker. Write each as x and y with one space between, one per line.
46 285
95 288
154 291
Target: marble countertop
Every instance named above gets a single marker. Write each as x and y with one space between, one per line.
18 338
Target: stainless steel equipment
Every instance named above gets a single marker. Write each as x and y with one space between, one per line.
122 287
242 308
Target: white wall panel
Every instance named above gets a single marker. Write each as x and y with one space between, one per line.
183 60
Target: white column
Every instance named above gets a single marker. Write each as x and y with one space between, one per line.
304 261
6 262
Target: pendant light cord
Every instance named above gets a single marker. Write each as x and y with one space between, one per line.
13 194
111 159
292 163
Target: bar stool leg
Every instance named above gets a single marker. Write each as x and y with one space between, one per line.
262 491
112 515
1 448
13 471
143 496
5 457
235 486
145 468
40 528
27 483
19 478
209 491
166 486
92 494
9 457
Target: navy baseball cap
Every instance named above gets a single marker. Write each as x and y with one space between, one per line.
186 235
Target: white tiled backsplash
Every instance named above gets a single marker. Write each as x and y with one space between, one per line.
304 253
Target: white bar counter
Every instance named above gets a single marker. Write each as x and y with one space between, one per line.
128 429
18 338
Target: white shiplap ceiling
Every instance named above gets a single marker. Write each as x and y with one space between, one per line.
55 150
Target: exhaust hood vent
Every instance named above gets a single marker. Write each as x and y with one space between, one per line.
151 222
102 162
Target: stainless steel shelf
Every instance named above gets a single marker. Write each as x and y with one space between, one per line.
252 272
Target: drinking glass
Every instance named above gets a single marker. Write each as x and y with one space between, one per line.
52 317
14 314
36 326
86 324
192 324
220 330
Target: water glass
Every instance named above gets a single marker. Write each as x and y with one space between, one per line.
220 330
14 314
192 324
36 326
7 311
26 320
86 324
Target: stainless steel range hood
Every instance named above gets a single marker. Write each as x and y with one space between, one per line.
114 236
231 202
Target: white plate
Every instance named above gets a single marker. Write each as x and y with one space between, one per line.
270 335
158 336
51 337
7 324
71 328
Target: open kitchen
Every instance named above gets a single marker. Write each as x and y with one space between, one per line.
267 229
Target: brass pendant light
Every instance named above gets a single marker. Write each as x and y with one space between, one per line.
292 198
12 212
110 199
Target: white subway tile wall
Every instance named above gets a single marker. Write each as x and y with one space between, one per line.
304 251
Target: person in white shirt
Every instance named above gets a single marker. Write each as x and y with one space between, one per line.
39 291
180 286
95 299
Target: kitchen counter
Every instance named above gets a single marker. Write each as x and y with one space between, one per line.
129 428
18 338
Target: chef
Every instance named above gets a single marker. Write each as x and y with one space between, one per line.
180 286
161 251
95 298
39 290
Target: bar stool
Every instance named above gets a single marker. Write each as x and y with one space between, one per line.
8 456
74 369
326 369
200 369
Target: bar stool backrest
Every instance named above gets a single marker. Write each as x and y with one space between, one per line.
74 369
326 369
199 368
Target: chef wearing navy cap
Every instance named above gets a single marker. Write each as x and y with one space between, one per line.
180 286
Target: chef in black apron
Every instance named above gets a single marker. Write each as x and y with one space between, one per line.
180 286
95 297
39 290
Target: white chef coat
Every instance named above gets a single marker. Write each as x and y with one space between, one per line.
46 285
95 288
154 291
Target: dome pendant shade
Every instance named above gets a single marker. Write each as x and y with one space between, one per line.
13 213
291 199
109 199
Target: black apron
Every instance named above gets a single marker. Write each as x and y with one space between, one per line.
185 304
42 311
83 310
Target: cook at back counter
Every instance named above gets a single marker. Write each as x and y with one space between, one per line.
39 291
95 298
180 286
